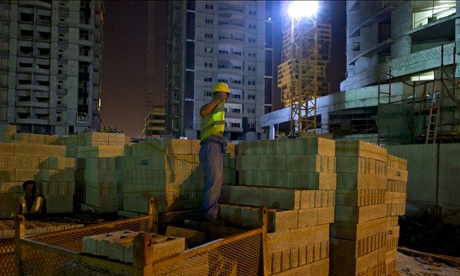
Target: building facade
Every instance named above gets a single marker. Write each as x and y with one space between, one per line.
220 41
50 61
154 123
401 75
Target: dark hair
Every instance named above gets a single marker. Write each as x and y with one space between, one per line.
24 185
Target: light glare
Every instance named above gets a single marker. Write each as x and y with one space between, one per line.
298 9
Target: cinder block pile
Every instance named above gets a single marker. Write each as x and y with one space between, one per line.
168 170
98 183
296 180
364 220
395 199
44 163
98 170
119 245
35 227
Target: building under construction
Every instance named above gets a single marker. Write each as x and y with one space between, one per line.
401 53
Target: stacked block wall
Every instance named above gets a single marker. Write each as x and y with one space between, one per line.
46 164
296 180
365 233
168 170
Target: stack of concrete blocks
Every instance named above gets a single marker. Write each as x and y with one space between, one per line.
99 183
167 169
21 160
35 227
395 199
119 245
361 228
296 180
94 144
98 171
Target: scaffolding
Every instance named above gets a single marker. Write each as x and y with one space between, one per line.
302 74
429 115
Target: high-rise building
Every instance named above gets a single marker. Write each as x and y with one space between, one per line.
154 123
220 41
50 61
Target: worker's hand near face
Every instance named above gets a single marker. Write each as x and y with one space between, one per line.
222 96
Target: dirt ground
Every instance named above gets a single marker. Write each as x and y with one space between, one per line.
415 266
422 232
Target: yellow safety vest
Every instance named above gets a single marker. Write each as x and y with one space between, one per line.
214 122
35 206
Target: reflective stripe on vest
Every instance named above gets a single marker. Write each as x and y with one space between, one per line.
214 122
38 201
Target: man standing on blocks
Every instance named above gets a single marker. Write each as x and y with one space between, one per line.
213 146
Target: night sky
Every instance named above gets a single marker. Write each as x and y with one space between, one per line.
124 62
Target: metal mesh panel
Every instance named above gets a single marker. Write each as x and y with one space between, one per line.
72 239
237 257
50 258
7 261
46 261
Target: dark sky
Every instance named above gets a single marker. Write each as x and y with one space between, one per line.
124 77
123 97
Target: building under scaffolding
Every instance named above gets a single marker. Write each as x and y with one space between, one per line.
400 85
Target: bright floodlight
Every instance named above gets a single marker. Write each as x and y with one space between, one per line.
298 9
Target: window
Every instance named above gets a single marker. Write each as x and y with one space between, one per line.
251 68
252 26
208 35
251 125
251 97
84 34
236 110
251 110
208 64
208 79
252 12
251 82
207 93
209 6
251 54
208 50
208 21
235 125
252 40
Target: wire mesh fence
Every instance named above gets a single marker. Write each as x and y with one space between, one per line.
60 253
7 256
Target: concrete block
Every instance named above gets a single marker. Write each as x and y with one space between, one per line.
372 263
311 146
397 174
192 237
362 197
353 231
7 149
362 149
360 214
353 181
396 186
57 204
310 163
39 150
310 180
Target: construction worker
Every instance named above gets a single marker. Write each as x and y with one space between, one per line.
213 146
31 205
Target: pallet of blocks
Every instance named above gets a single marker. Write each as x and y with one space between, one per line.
7 227
47 164
295 179
98 184
167 169
363 226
